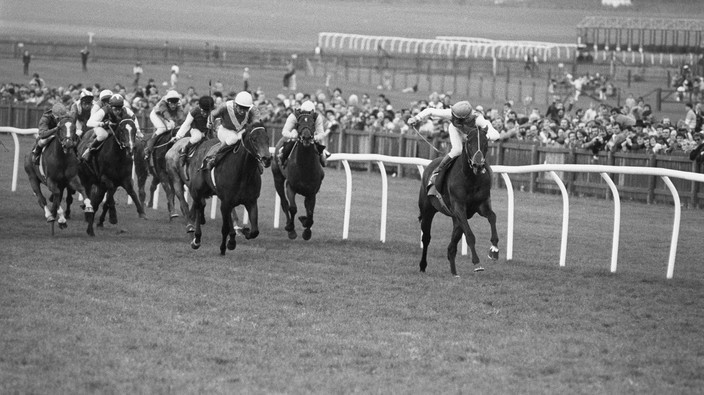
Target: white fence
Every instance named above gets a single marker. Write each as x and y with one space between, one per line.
504 171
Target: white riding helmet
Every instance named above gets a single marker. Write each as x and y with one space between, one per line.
86 93
172 94
244 99
307 106
106 93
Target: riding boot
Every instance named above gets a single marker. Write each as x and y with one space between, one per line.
150 146
36 153
323 153
183 154
286 151
210 162
93 146
438 173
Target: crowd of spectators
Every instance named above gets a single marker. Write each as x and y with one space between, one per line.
632 127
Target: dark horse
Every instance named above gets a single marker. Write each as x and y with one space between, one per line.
58 170
235 180
156 167
110 168
302 175
466 191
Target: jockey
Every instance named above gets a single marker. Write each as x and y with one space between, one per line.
235 115
81 111
462 119
113 114
47 127
289 131
197 121
103 99
168 114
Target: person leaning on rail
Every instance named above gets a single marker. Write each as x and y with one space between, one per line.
463 119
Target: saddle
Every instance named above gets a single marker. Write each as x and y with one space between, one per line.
216 153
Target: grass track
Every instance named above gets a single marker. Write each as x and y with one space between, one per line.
136 310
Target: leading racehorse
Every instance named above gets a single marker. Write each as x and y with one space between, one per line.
466 191
58 170
235 180
111 167
303 175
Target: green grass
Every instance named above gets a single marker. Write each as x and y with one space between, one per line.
135 310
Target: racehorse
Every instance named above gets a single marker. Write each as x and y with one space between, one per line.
156 167
110 168
235 180
466 191
303 175
58 170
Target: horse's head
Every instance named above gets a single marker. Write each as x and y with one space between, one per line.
66 133
125 135
306 129
256 142
475 148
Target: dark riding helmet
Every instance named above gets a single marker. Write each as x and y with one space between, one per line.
117 101
206 103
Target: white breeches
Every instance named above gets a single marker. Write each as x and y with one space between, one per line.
196 136
159 126
100 133
227 136
456 141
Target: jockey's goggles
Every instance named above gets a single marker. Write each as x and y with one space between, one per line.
172 101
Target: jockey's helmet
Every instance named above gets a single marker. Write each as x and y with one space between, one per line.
244 99
206 103
59 111
172 97
86 95
461 109
307 106
105 95
117 101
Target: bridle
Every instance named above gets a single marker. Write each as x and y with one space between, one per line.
475 156
248 142
119 129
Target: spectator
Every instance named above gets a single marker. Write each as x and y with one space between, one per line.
137 71
690 118
174 76
84 58
26 58
245 79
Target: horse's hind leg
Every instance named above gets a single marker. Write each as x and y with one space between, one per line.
292 210
307 220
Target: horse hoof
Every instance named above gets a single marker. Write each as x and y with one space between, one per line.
195 245
172 216
113 221
307 234
143 216
90 232
67 215
50 218
478 269
190 229
493 253
63 225
231 244
222 251
99 225
292 235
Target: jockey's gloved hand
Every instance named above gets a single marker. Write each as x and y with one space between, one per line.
140 134
173 139
170 124
413 121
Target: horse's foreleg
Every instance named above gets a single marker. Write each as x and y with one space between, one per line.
61 212
152 190
486 211
460 219
55 199
97 195
253 214
129 188
457 233
181 196
77 186
169 191
307 221
292 210
69 202
227 229
426 222
197 212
